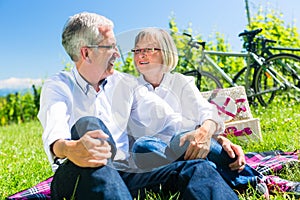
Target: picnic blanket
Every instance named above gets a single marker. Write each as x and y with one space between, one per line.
264 162
271 161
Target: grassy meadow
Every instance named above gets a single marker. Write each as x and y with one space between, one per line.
24 163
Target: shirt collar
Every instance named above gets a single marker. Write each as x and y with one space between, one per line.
145 83
164 83
83 84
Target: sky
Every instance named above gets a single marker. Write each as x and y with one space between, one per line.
30 32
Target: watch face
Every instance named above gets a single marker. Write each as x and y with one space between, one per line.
226 106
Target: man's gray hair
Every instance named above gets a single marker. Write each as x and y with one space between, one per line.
82 29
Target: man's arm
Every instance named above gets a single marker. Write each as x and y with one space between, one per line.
234 151
88 151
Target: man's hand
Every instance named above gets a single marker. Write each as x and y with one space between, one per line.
199 143
91 150
234 151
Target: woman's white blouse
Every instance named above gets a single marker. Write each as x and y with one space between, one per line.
180 92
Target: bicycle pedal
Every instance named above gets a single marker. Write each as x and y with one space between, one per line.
253 103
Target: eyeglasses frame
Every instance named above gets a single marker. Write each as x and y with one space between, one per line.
145 50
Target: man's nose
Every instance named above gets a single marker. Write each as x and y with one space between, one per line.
117 52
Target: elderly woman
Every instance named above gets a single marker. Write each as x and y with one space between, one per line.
155 56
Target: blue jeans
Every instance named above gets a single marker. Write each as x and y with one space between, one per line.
161 154
193 179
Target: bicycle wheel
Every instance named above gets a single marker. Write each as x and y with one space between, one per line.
239 79
280 75
204 81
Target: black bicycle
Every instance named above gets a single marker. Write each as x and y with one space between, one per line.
205 81
262 77
280 72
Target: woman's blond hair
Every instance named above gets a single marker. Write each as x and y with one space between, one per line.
165 42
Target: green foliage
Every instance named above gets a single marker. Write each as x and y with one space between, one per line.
275 28
19 108
128 65
189 57
68 66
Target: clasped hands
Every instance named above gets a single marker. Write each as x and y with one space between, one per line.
200 146
91 150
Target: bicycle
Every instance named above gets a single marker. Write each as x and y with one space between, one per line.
266 48
261 79
204 80
284 66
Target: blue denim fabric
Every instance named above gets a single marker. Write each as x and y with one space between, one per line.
93 183
89 123
193 179
147 146
150 152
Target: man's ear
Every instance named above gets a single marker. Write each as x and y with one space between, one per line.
85 55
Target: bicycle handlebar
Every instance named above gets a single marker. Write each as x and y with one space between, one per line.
193 42
186 34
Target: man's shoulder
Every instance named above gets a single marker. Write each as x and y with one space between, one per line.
123 75
118 76
61 77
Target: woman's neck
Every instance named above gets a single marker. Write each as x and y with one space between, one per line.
154 80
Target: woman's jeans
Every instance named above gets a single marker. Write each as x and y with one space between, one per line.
193 179
150 152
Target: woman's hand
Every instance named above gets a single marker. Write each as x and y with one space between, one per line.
199 143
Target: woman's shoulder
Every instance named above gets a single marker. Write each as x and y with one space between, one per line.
180 77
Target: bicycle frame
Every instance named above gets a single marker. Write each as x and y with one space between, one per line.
247 55
282 82
266 49
259 62
284 48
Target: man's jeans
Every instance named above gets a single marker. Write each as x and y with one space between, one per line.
193 179
150 152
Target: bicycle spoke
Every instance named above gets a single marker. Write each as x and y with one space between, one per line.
204 80
279 76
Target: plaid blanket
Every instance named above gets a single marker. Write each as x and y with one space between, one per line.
271 161
39 191
265 162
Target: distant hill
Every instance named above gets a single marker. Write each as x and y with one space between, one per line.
21 85
5 91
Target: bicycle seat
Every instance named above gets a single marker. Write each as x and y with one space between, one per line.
251 33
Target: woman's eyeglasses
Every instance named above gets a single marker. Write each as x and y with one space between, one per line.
144 50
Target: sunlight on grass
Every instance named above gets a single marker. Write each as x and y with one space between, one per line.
24 163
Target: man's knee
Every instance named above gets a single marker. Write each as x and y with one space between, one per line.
91 123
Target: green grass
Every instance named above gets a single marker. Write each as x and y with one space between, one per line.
24 163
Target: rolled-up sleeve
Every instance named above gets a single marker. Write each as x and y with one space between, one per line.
195 106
